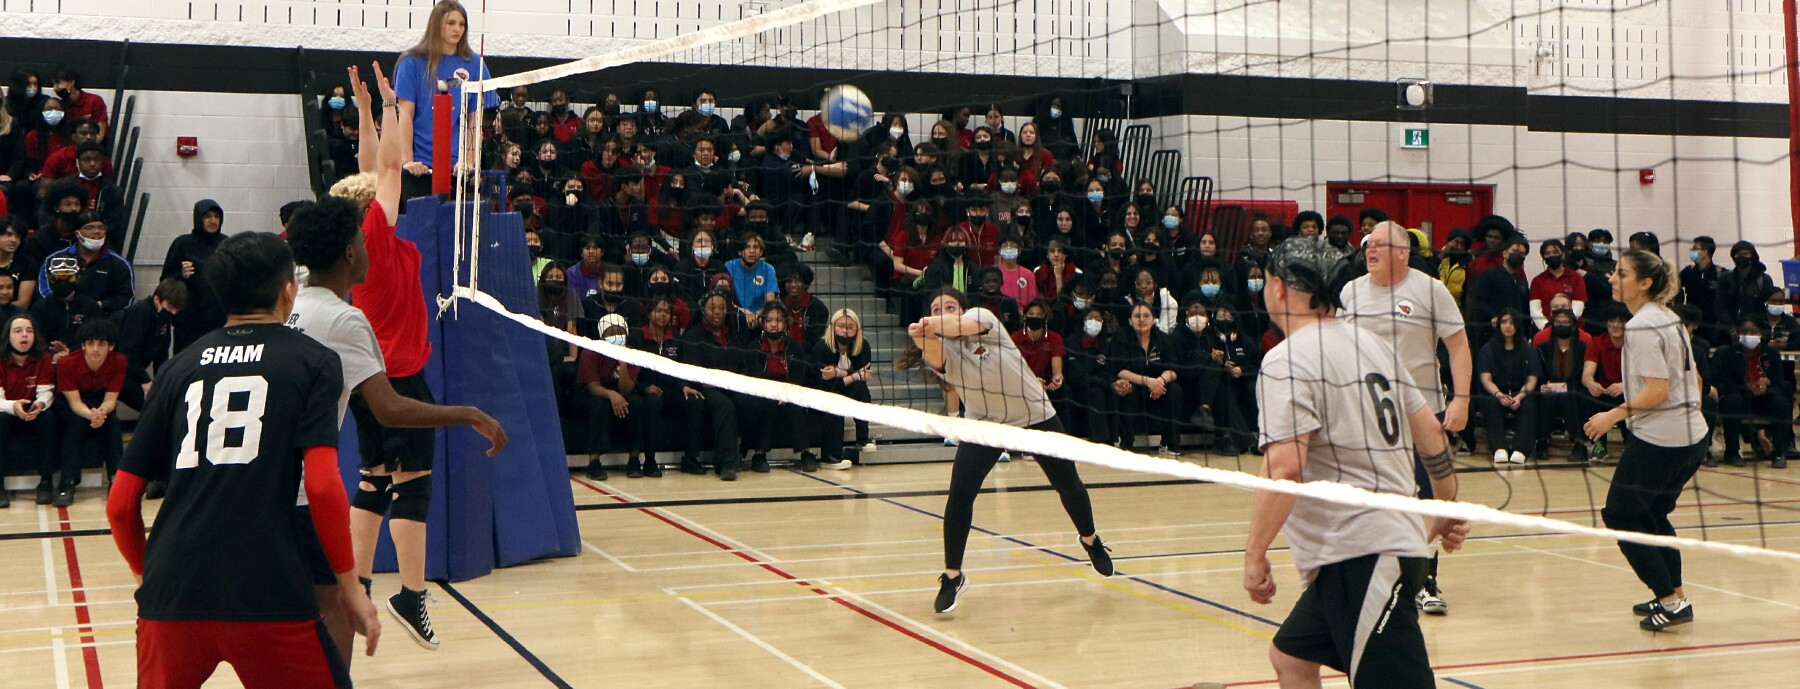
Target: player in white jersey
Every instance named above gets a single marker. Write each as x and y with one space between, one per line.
1336 406
1669 435
1412 312
327 240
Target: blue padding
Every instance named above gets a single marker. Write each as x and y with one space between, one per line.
515 507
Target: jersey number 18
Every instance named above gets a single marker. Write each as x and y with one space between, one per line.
221 419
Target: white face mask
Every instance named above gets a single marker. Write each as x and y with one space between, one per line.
1009 187
1080 304
1196 322
896 132
735 156
703 252
1780 309
615 340
904 188
1091 327
93 244
1055 113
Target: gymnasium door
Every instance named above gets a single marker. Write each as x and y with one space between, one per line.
1434 208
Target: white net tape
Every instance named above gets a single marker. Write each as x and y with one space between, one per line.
1043 443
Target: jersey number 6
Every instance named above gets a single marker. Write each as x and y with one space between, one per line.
222 419
1387 414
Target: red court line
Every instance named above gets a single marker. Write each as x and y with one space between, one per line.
896 626
1578 656
90 656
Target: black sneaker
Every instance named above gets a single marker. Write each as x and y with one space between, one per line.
1098 556
949 591
1662 617
45 493
651 468
759 463
1778 462
595 470
1579 455
809 463
632 470
156 490
65 497
1644 608
5 497
408 607
728 472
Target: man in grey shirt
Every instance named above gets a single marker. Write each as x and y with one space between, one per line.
1412 312
1336 406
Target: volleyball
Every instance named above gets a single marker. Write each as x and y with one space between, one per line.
847 112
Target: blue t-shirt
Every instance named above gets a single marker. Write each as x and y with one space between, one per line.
751 283
410 85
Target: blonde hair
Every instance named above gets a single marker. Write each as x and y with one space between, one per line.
1664 281
430 46
856 348
358 187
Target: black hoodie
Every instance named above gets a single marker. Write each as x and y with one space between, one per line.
1742 291
204 313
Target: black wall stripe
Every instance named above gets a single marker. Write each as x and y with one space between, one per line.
182 67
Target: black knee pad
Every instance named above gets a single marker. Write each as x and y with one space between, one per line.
412 499
372 494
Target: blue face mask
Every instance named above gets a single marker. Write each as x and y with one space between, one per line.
649 106
1091 327
53 117
1255 284
1694 256
1096 196
1209 291
336 102
1171 222
1055 113
640 259
1009 254
706 109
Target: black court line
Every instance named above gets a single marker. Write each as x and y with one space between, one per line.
835 497
501 632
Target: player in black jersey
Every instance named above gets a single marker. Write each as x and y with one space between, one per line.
235 423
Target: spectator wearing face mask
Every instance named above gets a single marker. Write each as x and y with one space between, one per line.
974 168
609 300
983 235
1016 281
61 314
186 261
641 257
1089 381
701 262
1453 268
1558 279
1498 289
662 287
1744 289
953 266
78 103
147 338
624 214
104 196
1597 267
564 123
1562 353
1056 128
62 163
1751 388
105 278
54 132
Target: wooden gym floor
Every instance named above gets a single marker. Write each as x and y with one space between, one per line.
796 580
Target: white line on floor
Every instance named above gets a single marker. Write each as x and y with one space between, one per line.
609 558
764 645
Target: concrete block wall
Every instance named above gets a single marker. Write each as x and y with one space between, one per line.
252 160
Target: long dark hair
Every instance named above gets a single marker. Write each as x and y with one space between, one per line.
1511 363
37 335
914 357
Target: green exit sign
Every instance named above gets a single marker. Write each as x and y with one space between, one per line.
1415 137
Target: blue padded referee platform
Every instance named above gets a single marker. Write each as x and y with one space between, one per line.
515 507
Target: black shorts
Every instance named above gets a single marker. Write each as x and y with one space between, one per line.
1358 618
396 449
312 553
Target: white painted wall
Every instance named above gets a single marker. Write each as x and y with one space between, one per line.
252 160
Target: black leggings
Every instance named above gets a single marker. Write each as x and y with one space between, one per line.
973 462
1644 490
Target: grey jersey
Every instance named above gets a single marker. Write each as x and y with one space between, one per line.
1341 384
995 383
1656 346
321 315
1411 316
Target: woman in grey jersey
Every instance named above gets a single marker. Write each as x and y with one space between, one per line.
1669 436
972 353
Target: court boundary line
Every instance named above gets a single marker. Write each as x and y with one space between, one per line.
90 656
505 637
806 583
838 497
764 645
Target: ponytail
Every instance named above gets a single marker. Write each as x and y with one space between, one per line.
1664 281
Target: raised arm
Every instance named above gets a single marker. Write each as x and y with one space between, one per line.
396 138
368 142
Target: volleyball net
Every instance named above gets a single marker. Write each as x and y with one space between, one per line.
1230 119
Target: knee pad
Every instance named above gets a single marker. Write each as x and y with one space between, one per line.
412 499
372 494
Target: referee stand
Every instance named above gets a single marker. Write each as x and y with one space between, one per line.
515 507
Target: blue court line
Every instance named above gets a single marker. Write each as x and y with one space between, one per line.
1140 580
1070 558
495 627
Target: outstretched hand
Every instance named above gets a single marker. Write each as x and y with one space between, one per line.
359 89
381 81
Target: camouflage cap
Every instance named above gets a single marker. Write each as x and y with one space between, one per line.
1311 265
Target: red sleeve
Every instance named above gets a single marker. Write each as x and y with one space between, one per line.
65 379
124 513
1542 336
682 315
115 365
1056 344
587 367
1581 294
1592 355
1046 158
329 507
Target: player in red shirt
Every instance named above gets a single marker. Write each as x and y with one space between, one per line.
1558 279
232 425
91 383
1603 373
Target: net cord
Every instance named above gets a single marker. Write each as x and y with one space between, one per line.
1044 443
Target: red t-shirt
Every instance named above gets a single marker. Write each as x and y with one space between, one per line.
87 106
815 127
1038 353
1607 355
20 381
392 298
565 128
593 367
1543 336
1545 287
62 164
73 374
1482 262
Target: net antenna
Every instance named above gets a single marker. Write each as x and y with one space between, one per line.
467 249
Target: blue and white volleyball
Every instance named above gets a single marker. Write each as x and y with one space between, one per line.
847 112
